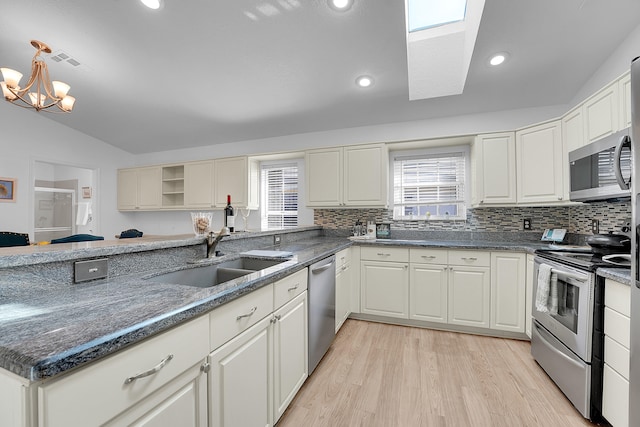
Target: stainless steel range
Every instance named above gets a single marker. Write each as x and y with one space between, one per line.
568 325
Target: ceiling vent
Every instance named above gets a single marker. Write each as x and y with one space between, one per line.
62 57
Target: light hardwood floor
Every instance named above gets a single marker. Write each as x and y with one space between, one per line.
384 375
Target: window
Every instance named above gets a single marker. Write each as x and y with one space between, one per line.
279 197
425 14
430 184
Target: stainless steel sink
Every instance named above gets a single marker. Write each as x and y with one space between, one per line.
211 275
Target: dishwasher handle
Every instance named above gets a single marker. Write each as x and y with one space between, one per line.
323 267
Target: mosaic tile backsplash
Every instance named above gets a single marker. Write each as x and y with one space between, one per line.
576 219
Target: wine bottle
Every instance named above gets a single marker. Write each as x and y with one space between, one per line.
229 215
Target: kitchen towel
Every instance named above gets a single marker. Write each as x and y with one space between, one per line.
83 215
544 284
553 294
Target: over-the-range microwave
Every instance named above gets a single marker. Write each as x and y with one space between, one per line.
601 170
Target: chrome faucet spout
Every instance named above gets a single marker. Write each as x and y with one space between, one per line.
213 240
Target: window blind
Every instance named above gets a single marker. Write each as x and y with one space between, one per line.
429 186
280 196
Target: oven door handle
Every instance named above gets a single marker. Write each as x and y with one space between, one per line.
562 274
548 340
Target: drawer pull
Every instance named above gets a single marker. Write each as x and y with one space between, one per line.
428 256
253 310
293 288
469 259
382 254
151 371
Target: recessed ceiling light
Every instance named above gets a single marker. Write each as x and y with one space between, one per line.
498 58
341 5
364 81
152 4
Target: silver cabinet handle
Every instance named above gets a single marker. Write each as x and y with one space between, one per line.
470 258
151 371
428 256
205 367
253 310
293 288
383 254
275 318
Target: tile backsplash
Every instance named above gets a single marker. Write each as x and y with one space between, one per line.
575 218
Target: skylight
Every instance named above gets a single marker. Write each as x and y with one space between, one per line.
425 14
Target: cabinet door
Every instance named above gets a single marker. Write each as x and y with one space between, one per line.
290 350
182 402
343 294
240 379
428 292
366 175
508 272
540 164
496 168
385 288
469 296
198 180
127 189
573 129
237 177
601 113
324 177
529 295
615 398
624 93
149 188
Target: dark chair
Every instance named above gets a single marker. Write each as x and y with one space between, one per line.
8 238
77 238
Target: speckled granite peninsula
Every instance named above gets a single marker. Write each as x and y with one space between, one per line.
49 325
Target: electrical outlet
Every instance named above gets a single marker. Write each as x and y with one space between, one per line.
595 226
526 224
276 239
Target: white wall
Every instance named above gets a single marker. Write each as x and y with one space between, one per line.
27 137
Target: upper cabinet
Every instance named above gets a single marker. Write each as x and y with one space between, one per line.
494 158
239 178
355 176
624 93
573 129
601 113
198 184
139 188
540 164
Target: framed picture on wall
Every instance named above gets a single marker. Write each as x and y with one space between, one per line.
7 189
86 192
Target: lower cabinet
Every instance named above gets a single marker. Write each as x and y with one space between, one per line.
428 286
254 376
469 297
343 286
385 288
508 291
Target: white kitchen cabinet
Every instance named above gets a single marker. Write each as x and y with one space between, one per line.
290 352
624 94
177 356
508 288
428 285
617 324
495 169
384 274
173 186
343 286
240 379
14 400
354 176
140 188
198 184
540 164
529 295
573 129
469 298
239 178
601 112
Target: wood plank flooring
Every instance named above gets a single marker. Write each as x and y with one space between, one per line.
385 375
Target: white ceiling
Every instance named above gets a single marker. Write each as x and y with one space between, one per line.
203 72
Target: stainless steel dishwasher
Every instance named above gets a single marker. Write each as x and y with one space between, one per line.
322 309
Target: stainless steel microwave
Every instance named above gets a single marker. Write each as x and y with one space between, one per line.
601 170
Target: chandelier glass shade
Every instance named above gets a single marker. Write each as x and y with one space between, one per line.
40 92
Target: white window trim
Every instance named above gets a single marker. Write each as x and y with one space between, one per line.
433 151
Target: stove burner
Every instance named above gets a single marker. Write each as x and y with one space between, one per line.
583 260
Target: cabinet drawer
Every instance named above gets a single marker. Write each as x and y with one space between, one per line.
476 258
230 319
99 393
343 258
616 356
381 253
428 256
615 398
617 326
288 288
617 296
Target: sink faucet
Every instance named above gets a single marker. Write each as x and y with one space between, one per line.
213 240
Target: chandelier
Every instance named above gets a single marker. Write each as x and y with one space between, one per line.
40 92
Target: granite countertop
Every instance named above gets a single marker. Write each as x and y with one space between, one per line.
622 275
528 247
46 332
